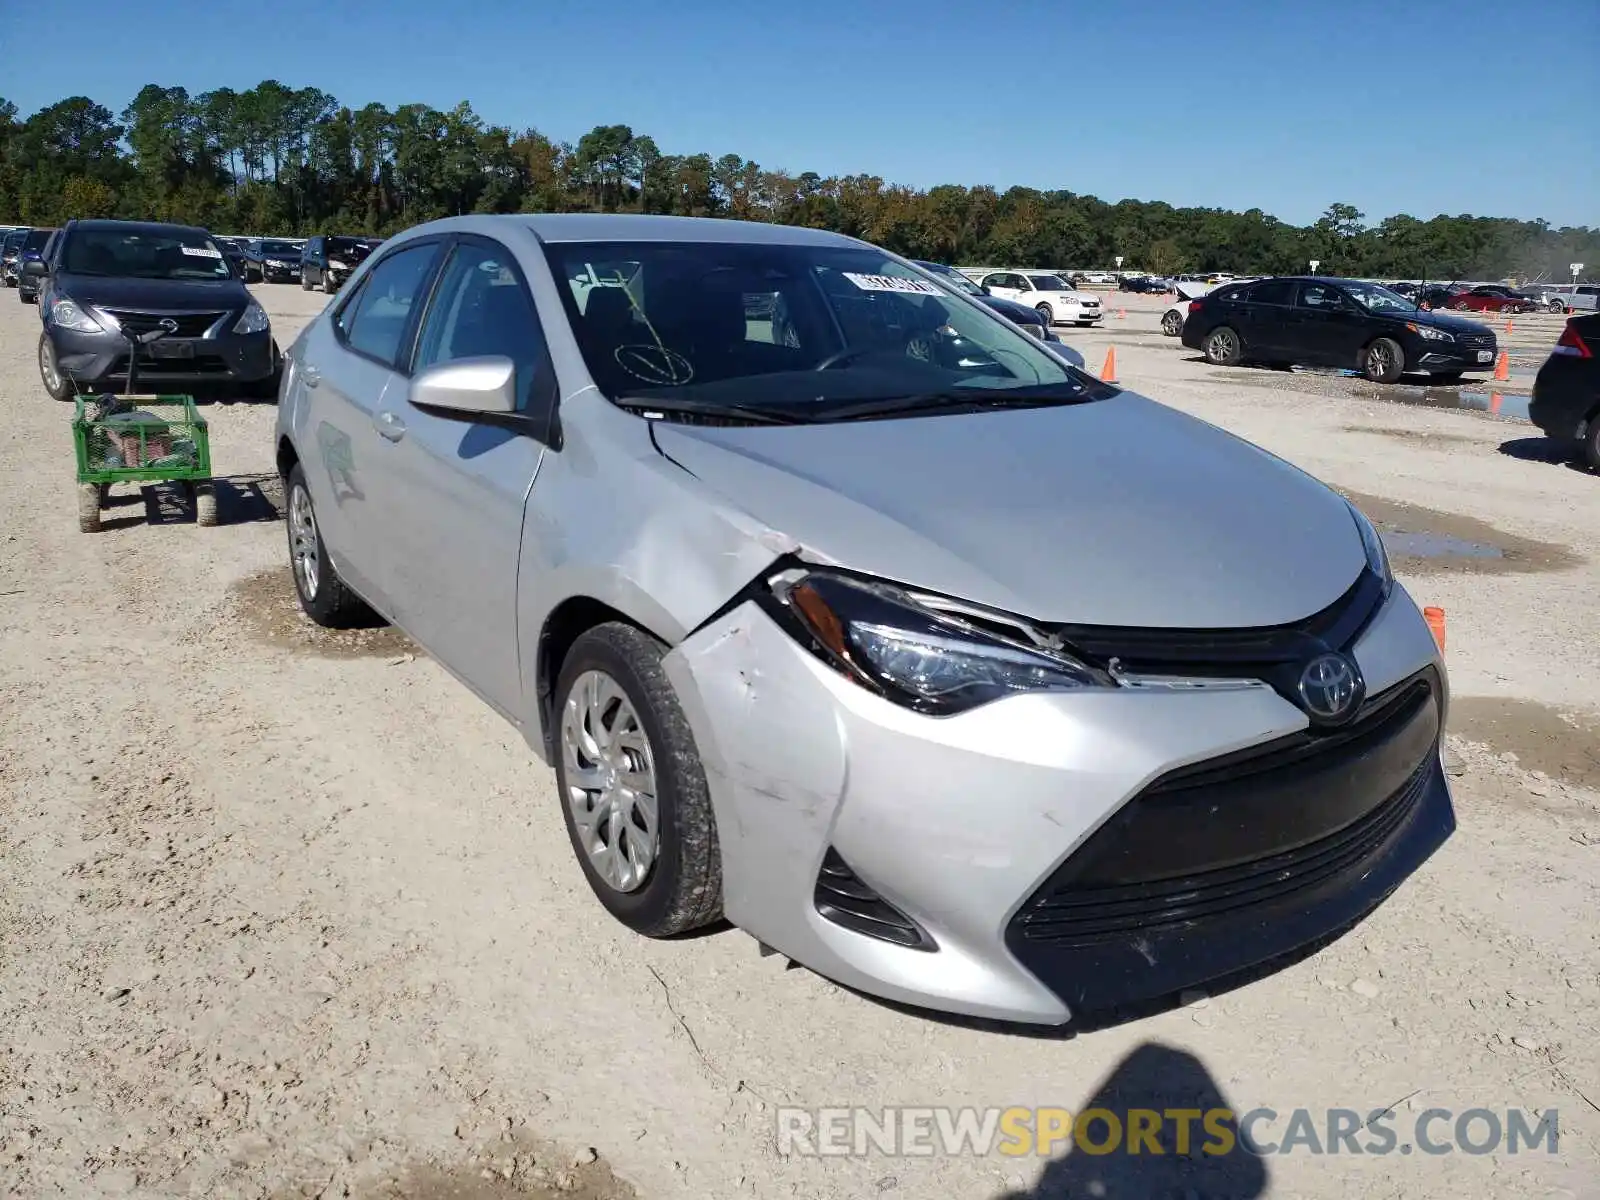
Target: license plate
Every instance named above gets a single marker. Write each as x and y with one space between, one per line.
171 350
1485 355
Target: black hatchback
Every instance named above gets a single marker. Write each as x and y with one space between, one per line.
1566 395
1318 322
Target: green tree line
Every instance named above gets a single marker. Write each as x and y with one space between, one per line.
280 160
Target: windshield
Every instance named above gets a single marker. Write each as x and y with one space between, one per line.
791 328
346 245
281 249
37 238
1378 299
1049 283
143 254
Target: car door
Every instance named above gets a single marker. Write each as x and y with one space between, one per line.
347 364
1267 319
454 490
1329 329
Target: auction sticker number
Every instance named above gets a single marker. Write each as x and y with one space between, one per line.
201 252
890 283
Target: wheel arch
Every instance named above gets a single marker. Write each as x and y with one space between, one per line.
287 457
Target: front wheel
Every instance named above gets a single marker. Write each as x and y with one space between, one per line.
1383 361
1557 306
633 791
1222 347
1048 313
1172 324
57 384
323 595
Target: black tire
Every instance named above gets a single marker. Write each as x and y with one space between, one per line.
50 368
329 602
1557 306
327 283
682 888
28 297
1446 378
1591 442
1383 361
305 280
1223 348
1048 313
1172 324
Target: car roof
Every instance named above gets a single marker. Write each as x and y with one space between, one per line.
636 227
140 226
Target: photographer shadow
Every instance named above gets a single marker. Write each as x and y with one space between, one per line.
1159 1078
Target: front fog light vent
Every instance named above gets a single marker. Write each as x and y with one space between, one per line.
845 900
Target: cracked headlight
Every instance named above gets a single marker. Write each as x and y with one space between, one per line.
917 652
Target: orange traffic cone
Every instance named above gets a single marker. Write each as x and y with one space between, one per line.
1435 619
1122 314
1508 326
1495 401
1502 369
1108 373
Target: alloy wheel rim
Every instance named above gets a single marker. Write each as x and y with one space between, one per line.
303 542
1378 360
1222 343
47 367
609 767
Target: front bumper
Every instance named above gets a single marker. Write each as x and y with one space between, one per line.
1447 356
286 274
99 360
962 824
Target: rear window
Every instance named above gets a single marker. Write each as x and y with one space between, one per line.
37 239
1273 291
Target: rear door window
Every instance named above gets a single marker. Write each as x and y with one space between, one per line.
1273 291
382 312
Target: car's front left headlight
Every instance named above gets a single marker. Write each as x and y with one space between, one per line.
254 320
936 660
1372 543
1429 334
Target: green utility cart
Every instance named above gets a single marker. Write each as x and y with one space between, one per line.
141 439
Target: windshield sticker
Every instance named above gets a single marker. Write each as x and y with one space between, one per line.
655 365
201 252
888 283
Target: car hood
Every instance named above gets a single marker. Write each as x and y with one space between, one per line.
174 294
1119 512
1010 309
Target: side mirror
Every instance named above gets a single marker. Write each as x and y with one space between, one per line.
469 386
34 268
987 290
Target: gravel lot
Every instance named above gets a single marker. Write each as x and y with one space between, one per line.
284 913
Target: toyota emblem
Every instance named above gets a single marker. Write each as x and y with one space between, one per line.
1331 688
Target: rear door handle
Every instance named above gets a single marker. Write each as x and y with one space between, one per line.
310 376
390 425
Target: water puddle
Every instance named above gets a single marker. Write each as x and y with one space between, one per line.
266 607
1425 541
1563 745
1511 405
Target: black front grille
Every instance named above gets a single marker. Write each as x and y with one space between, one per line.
1475 341
1253 828
190 324
844 899
199 366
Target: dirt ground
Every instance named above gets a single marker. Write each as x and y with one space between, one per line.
288 914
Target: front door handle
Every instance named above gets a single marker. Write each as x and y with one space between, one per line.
310 376
390 425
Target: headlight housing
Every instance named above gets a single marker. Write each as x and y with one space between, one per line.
69 315
254 320
1428 333
1372 543
921 652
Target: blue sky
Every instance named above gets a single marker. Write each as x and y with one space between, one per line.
1285 105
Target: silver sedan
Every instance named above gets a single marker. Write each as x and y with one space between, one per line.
847 611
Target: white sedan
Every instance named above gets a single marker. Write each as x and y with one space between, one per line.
1178 311
1052 297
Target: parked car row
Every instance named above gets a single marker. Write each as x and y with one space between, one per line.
1049 295
17 248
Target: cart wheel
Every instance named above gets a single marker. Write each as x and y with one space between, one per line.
205 503
89 496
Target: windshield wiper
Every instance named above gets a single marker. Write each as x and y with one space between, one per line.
661 406
922 402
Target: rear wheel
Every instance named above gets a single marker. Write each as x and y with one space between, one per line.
1222 347
1557 306
1172 324
1383 361
323 595
1048 313
327 283
54 381
1591 442
305 280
